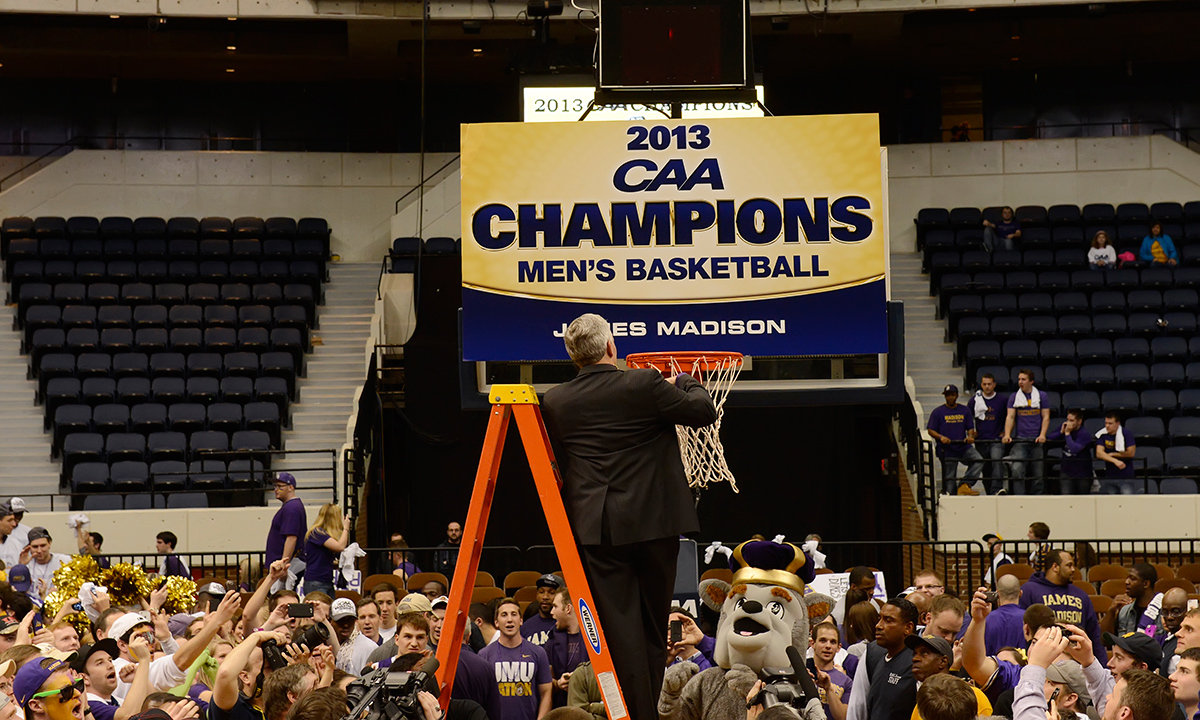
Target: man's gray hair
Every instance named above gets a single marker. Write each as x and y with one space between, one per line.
586 338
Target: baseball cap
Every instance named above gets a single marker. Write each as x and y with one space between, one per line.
991 536
17 505
8 668
550 580
179 622
1138 644
440 601
343 608
414 602
18 577
9 624
122 625
1068 672
39 533
33 675
934 643
286 478
950 389
48 650
85 652
212 588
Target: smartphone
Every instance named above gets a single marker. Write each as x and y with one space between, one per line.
300 610
676 633
1053 697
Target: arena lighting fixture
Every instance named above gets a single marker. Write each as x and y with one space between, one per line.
115 17
229 70
544 8
231 47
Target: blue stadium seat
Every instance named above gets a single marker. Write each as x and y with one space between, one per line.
1042 327
1124 279
1032 215
1144 325
1177 486
90 365
996 304
155 249
1132 376
247 475
1108 301
1184 460
1168 376
1054 281
216 227
1067 237
167 446
1131 350
1192 374
1006 260
1124 402
279 365
1133 212
204 365
186 340
237 389
207 475
136 294
241 364
225 417
1085 400
78 316
1168 349
152 271
1062 378
1165 212
187 418
1086 281
214 249
1147 459
130 476
1159 403
1068 303
98 390
1185 431
1148 431
1144 301
1056 351
220 340
88 228
266 293
276 390
1059 215
170 293
963 306
107 419
90 477
183 228
1160 279
1018 352
133 390
1000 373
70 420
114 316
203 390
207 441
168 476
168 390
82 447
253 339
147 418
220 316
215 271
1181 324
203 293
123 446
150 227
1096 377
235 293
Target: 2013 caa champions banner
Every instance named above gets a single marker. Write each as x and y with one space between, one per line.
759 235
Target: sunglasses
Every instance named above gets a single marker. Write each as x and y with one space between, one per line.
64 693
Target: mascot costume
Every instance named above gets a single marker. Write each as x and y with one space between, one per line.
764 611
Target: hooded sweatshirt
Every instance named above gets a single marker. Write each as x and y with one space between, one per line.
1070 605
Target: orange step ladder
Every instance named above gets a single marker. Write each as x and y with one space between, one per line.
521 402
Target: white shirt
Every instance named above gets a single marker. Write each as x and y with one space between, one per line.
163 675
360 654
385 634
10 550
44 572
21 534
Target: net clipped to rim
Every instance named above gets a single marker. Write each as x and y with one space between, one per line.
701 450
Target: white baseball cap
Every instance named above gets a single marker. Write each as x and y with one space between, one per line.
17 505
343 608
122 625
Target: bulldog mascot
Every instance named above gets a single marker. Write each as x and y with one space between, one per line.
763 612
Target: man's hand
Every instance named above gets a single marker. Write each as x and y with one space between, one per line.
1047 646
227 609
158 598
429 706
101 601
753 711
1080 648
943 440
279 569
297 654
162 628
1119 463
989 223
1006 439
1040 439
184 710
25 554
562 681
1063 429
43 636
139 649
128 672
43 589
980 607
278 617
1121 601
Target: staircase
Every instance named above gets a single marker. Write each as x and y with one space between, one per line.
929 358
335 370
26 469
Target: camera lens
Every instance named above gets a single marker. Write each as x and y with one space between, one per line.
315 635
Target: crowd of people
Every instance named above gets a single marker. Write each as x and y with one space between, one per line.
1014 432
1156 249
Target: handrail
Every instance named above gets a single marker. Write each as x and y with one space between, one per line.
421 185
40 158
1132 127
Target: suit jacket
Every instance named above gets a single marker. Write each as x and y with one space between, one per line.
615 442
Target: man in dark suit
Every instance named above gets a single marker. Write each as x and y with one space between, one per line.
626 495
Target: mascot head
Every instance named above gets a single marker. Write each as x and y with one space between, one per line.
764 609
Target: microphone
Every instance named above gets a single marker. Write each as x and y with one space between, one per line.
426 676
801 671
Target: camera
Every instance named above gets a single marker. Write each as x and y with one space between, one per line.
386 695
991 597
314 635
791 686
272 655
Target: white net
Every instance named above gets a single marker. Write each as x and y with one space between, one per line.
703 455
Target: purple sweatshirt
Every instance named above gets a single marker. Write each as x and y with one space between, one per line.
1070 605
1077 460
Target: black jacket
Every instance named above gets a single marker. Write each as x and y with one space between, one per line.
616 447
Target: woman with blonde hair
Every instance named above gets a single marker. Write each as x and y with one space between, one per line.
325 540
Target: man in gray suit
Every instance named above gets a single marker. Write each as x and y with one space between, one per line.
626 495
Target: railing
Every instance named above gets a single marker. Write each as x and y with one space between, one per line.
1090 552
1189 136
1051 480
919 455
237 568
331 468
421 186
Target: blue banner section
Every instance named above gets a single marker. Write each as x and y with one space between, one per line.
850 321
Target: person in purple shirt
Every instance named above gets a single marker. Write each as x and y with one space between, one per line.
1004 233
1025 427
1076 467
566 647
1005 624
991 675
522 669
538 625
1116 446
988 410
825 643
695 647
953 427
290 524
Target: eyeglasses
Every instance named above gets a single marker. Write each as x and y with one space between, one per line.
1174 612
64 693
929 587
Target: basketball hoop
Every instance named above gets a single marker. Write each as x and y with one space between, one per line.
701 450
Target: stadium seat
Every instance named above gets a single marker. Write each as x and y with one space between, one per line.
1062 378
122 446
235 293
90 477
144 501
1109 326
1131 350
183 228
106 419
1168 349
167 364
1124 402
1183 460
1054 281
1075 327
69 420
241 364
167 446
1132 376
88 228
147 418
204 364
1177 486
1096 377
187 418
254 339
95 364
1056 351
1159 403
1166 212
264 417
207 475
276 390
1085 400
133 390
1019 352
1189 401
238 390
1147 431
225 316
203 390
1148 459
1133 212
225 417
168 390
1180 324
150 227
247 475
98 390
1184 431
130 476
82 447
995 304
1041 328
168 476
1168 376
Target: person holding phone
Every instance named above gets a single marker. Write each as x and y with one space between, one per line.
326 539
686 642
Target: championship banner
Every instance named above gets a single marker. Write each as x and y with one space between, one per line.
763 236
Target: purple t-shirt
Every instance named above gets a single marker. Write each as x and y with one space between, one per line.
1006 678
1029 419
536 629
318 558
1005 628
991 427
1109 442
290 519
843 681
952 422
519 672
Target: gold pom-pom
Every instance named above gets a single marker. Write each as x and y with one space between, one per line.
127 584
72 574
181 595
